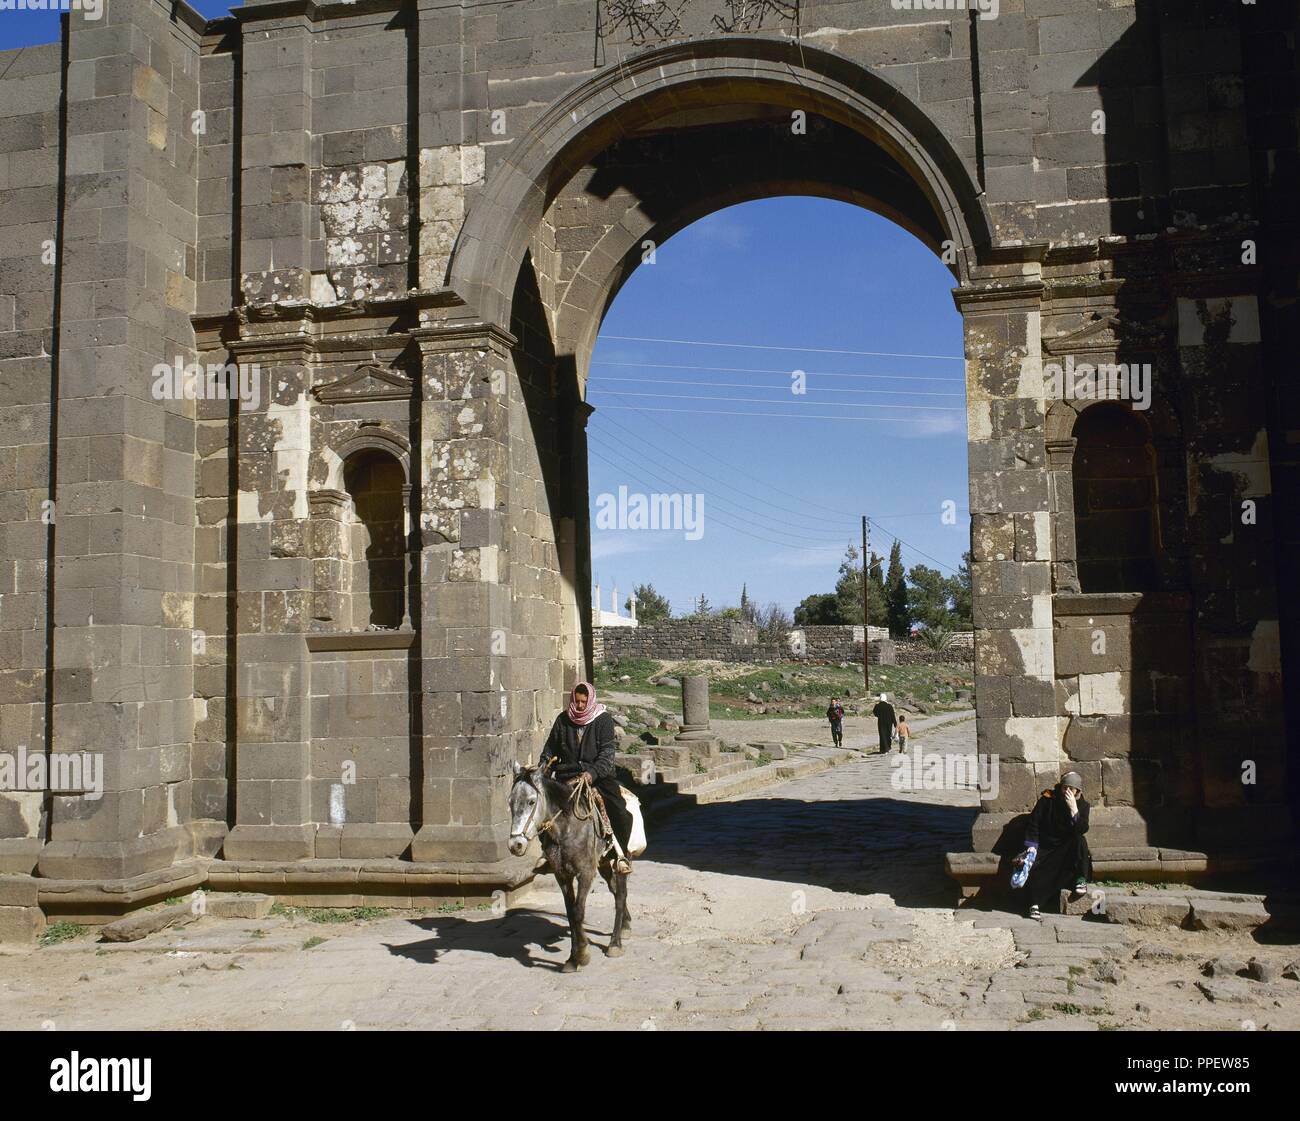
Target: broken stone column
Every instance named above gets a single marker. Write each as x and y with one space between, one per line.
695 708
695 718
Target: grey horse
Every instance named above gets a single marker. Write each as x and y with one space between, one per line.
542 807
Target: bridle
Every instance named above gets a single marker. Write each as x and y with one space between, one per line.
582 808
526 829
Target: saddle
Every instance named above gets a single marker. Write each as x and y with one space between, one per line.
587 802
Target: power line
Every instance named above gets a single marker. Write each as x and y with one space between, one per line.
600 381
764 401
822 542
783 416
893 537
725 522
803 499
741 510
795 349
837 521
772 487
764 370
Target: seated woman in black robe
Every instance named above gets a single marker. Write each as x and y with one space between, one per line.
582 740
1056 828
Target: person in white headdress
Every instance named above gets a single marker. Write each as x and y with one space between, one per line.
886 721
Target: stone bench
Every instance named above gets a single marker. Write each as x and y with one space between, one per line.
978 872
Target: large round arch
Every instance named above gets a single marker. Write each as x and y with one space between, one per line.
664 86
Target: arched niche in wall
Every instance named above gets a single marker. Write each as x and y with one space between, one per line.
361 534
375 539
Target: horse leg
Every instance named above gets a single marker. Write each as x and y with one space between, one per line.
566 890
581 955
619 887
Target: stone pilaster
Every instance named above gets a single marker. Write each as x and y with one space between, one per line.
472 651
274 607
275 157
125 515
1010 503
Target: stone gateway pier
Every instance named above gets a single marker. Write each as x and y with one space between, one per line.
309 609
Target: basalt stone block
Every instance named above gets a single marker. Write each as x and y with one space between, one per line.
1147 909
270 842
21 925
238 905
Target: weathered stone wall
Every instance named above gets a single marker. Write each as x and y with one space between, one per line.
409 217
29 140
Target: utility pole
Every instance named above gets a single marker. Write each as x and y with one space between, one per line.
866 644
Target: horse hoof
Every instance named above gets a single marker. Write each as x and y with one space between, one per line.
569 967
584 956
614 951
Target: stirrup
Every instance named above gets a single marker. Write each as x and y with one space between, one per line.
623 866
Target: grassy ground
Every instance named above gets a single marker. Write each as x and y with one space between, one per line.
742 691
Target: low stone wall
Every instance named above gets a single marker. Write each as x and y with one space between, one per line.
726 640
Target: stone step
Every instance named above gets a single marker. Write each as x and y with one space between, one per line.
640 767
718 789
694 780
675 756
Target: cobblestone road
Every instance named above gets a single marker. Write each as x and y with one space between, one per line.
818 903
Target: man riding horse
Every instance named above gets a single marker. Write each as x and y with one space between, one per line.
581 745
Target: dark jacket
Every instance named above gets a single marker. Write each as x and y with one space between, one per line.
835 714
596 752
884 714
1050 824
595 755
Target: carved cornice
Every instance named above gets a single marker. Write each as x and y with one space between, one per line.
1108 334
1011 294
368 382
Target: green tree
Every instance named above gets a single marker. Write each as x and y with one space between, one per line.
928 597
962 599
748 611
848 589
651 607
900 619
703 609
818 610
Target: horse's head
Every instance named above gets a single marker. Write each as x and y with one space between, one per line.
527 807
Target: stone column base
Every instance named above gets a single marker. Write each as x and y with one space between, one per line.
18 855
270 842
115 860
362 842
21 920
485 843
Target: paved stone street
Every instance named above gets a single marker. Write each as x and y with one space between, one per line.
817 903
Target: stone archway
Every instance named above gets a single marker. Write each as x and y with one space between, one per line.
561 221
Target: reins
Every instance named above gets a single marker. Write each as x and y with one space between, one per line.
584 803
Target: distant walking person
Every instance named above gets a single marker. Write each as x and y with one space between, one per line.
1056 834
904 732
835 714
886 720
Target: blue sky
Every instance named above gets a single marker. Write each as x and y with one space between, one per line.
875 433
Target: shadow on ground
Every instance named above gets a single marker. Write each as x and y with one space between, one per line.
861 845
522 935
